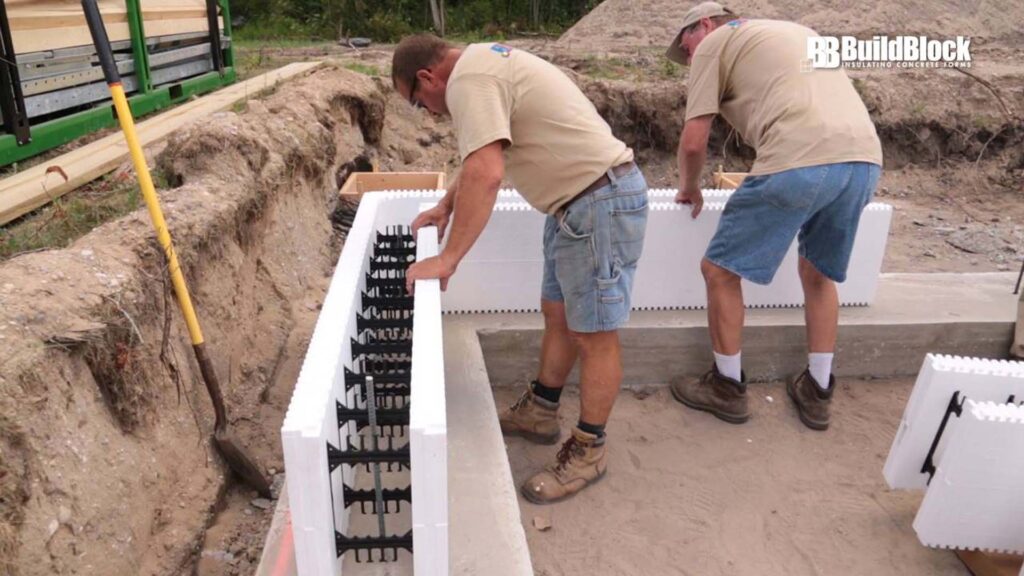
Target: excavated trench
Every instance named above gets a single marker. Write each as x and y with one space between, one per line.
105 461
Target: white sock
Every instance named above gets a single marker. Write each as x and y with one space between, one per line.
729 366
820 364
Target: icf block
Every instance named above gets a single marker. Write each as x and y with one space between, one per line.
939 378
311 420
428 428
503 270
976 500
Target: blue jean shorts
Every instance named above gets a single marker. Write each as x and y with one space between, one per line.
820 205
591 250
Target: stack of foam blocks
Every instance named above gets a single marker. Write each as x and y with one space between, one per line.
368 326
961 440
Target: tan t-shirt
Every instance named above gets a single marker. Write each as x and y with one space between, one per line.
756 74
557 142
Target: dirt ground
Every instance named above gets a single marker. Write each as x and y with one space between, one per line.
687 494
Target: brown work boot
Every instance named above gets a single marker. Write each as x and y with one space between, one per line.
724 397
812 403
579 463
531 417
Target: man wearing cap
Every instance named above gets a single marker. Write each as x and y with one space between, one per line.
514 112
818 162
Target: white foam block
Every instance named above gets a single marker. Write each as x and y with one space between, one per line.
503 270
976 500
940 376
311 420
428 424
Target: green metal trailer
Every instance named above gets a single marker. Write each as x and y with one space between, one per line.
52 97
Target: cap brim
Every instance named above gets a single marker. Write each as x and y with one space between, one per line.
674 52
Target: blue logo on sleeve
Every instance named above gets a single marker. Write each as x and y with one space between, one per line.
501 49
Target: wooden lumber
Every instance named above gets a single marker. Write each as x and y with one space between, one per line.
990 564
36 186
39 25
360 183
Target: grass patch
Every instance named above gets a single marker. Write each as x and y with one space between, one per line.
73 215
363 68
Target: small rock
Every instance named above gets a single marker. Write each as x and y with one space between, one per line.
271 471
541 523
87 253
642 392
247 512
929 254
919 223
261 503
51 528
769 399
750 441
64 515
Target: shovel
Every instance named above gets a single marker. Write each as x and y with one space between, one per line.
231 450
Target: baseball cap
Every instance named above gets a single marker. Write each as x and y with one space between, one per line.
694 15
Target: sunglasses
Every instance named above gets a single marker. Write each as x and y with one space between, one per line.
412 90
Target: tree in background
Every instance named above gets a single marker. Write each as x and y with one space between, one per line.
388 20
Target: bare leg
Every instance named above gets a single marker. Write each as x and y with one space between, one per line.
600 374
557 349
725 308
821 308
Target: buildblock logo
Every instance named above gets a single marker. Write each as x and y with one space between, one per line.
886 52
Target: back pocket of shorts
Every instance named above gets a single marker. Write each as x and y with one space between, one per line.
794 189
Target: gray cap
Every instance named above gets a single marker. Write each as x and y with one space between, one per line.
694 15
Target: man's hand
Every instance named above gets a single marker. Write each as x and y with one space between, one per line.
433 267
436 216
691 196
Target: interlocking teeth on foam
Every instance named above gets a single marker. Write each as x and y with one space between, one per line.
975 501
978 379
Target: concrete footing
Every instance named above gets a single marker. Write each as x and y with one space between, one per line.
959 314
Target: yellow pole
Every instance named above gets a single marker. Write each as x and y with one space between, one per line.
155 213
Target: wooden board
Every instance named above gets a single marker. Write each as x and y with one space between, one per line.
360 183
28 190
985 564
38 25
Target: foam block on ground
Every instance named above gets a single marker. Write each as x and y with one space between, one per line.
940 376
976 500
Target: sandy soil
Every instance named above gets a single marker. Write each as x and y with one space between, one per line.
687 494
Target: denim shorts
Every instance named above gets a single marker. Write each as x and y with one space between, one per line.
820 205
591 250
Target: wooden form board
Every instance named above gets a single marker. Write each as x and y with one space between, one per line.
360 183
991 564
28 190
39 25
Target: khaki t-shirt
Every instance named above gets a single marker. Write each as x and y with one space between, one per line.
557 142
756 74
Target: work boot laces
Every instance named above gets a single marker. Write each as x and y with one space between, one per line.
571 449
523 401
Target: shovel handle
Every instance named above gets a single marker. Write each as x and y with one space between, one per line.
124 116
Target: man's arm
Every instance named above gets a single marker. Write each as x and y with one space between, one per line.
693 151
439 215
478 185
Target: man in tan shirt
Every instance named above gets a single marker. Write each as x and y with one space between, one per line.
818 162
516 113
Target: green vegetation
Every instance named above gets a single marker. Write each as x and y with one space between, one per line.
389 20
72 216
363 68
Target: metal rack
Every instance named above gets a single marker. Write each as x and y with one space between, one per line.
52 97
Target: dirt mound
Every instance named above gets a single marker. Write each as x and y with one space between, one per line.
624 25
105 464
